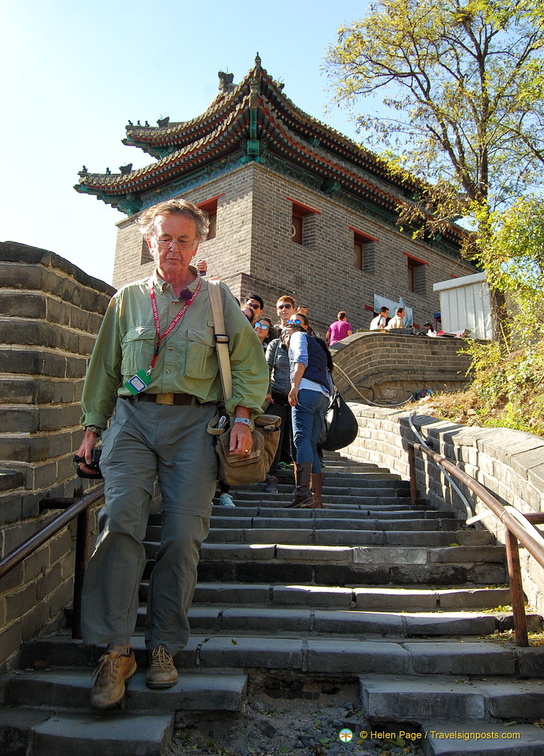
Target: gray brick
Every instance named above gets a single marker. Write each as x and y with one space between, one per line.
20 602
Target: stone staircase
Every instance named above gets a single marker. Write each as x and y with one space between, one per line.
368 589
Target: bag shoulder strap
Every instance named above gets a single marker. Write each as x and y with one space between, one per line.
221 337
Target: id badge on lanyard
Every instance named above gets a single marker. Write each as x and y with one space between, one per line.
141 380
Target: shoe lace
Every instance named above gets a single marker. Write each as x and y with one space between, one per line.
106 670
161 657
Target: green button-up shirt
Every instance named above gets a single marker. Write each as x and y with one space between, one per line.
187 361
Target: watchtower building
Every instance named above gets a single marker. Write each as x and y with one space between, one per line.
295 207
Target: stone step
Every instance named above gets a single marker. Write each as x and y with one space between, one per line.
442 738
345 471
330 574
315 623
345 565
377 599
453 698
331 656
348 500
65 687
358 479
391 538
319 518
346 554
354 487
338 536
234 516
46 732
330 489
346 657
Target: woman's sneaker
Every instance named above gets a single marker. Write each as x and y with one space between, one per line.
226 500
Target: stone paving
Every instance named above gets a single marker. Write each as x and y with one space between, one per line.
385 602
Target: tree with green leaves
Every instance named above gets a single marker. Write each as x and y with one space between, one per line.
462 85
508 375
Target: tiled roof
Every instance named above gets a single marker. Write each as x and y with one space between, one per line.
255 111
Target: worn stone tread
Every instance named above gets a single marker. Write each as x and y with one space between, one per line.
68 687
461 698
460 740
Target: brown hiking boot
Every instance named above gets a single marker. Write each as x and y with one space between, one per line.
161 670
113 671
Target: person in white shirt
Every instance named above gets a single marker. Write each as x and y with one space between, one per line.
398 320
380 321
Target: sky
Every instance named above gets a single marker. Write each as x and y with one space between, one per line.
74 73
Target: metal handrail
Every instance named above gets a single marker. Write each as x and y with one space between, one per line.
76 508
518 528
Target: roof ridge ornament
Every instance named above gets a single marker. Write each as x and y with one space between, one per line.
225 81
258 62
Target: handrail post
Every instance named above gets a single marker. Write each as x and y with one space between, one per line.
516 589
412 468
82 541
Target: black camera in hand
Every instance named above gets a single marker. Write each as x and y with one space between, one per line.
94 466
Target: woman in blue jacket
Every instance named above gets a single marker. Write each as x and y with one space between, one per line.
309 396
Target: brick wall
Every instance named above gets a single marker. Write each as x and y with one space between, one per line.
388 367
254 250
50 312
509 463
227 255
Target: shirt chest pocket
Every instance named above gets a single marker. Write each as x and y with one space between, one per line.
138 345
201 360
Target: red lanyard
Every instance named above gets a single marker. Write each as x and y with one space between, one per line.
172 325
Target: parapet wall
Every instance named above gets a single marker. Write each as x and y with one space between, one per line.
509 463
388 367
50 312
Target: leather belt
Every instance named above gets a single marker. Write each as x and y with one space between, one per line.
166 398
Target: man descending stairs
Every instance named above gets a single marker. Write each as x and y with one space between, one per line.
400 597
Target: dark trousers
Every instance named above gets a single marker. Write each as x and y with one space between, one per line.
280 406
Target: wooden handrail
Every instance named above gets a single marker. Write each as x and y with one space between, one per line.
516 532
79 509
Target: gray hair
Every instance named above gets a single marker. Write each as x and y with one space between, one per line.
147 220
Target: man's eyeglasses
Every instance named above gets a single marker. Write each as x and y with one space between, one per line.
264 326
170 243
285 306
253 306
294 322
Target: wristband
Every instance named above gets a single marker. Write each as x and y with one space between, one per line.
94 429
245 421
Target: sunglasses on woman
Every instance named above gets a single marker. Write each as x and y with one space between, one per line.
294 322
264 326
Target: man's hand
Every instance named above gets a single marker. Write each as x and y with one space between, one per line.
86 450
241 440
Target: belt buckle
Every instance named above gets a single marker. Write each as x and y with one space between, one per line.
165 399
